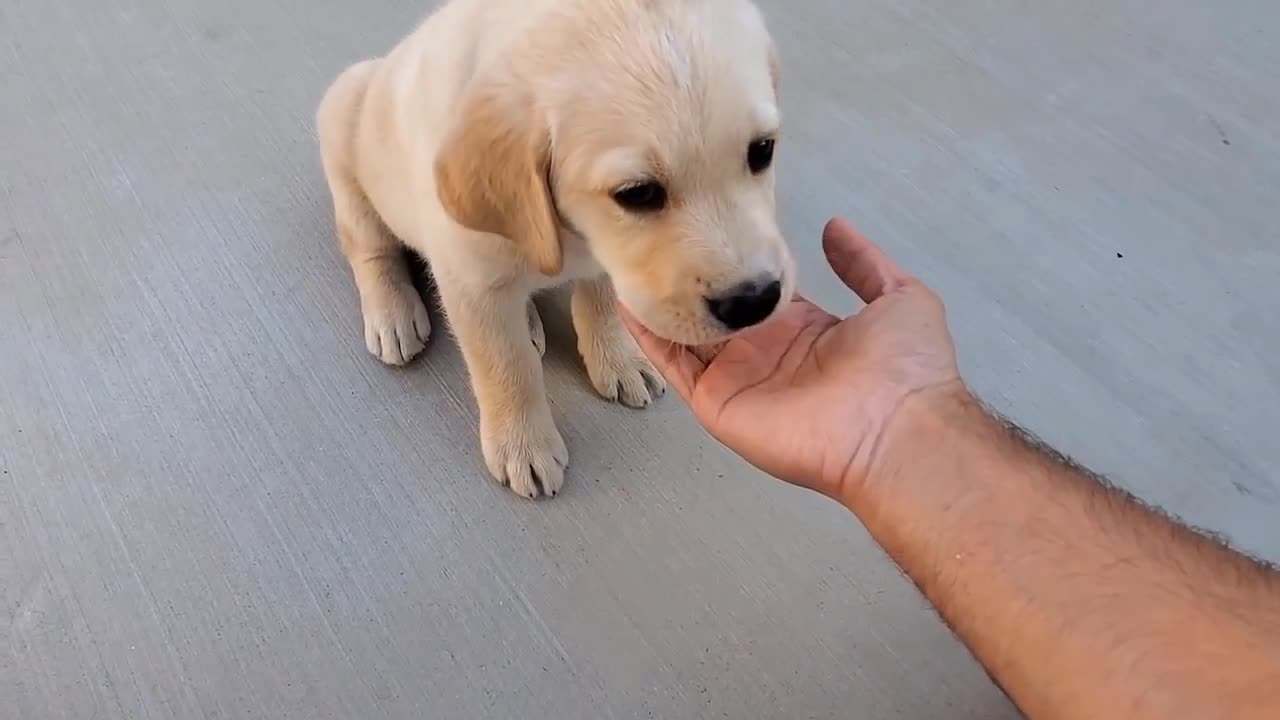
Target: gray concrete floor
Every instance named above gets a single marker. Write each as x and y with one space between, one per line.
214 503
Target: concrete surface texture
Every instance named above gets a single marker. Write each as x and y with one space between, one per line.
215 504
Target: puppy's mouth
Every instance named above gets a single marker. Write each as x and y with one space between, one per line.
706 323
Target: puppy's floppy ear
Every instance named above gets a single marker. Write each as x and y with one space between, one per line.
493 170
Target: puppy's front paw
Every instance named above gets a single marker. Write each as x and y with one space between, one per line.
527 456
619 371
396 324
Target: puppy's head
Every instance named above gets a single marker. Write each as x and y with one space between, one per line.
648 127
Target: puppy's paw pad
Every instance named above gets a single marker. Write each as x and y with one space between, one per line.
630 379
396 325
531 461
536 331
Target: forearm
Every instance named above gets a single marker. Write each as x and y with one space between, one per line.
1079 601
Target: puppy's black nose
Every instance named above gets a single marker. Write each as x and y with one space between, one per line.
747 304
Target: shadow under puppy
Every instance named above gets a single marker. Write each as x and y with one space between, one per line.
624 146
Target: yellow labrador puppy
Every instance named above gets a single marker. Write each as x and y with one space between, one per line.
625 146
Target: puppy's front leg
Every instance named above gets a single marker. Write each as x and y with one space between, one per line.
618 370
522 447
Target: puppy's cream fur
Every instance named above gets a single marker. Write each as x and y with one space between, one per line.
492 141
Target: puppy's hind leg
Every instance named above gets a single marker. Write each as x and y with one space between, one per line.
396 324
536 331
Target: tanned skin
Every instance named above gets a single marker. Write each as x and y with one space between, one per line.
1079 600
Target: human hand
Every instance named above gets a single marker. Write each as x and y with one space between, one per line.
808 397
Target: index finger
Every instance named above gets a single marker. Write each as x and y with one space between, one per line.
676 362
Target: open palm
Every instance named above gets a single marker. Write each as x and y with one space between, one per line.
807 396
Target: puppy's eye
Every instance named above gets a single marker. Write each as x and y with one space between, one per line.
646 197
760 155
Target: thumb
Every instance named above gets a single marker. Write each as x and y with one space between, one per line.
861 264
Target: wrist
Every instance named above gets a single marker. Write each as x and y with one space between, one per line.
922 437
